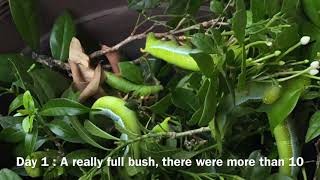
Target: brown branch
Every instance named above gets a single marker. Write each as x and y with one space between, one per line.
144 34
54 63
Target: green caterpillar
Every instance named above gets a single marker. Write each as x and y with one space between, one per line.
126 86
288 147
171 52
115 109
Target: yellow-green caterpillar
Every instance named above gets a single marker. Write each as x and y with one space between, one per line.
126 86
288 147
116 110
171 52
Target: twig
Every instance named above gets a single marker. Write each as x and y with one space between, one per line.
317 145
148 136
54 63
144 34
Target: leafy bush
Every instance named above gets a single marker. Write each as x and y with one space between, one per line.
239 83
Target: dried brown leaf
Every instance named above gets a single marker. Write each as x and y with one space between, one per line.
76 53
113 58
93 86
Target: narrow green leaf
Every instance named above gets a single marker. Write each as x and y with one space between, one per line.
203 42
131 72
10 121
63 107
62 32
28 102
205 63
63 129
19 68
258 10
25 14
7 174
162 105
12 135
96 131
84 134
195 117
16 103
210 103
30 141
179 99
239 21
314 127
26 126
243 75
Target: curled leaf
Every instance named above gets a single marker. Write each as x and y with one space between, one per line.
113 58
76 53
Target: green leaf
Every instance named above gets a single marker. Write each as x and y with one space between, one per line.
290 7
161 106
258 10
256 171
12 135
62 32
216 7
16 103
25 14
19 66
279 111
272 7
184 99
203 42
26 125
43 86
30 141
10 121
63 129
243 75
239 21
312 8
7 174
210 103
28 102
63 107
96 131
84 134
131 72
6 72
54 172
205 63
314 127
195 117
